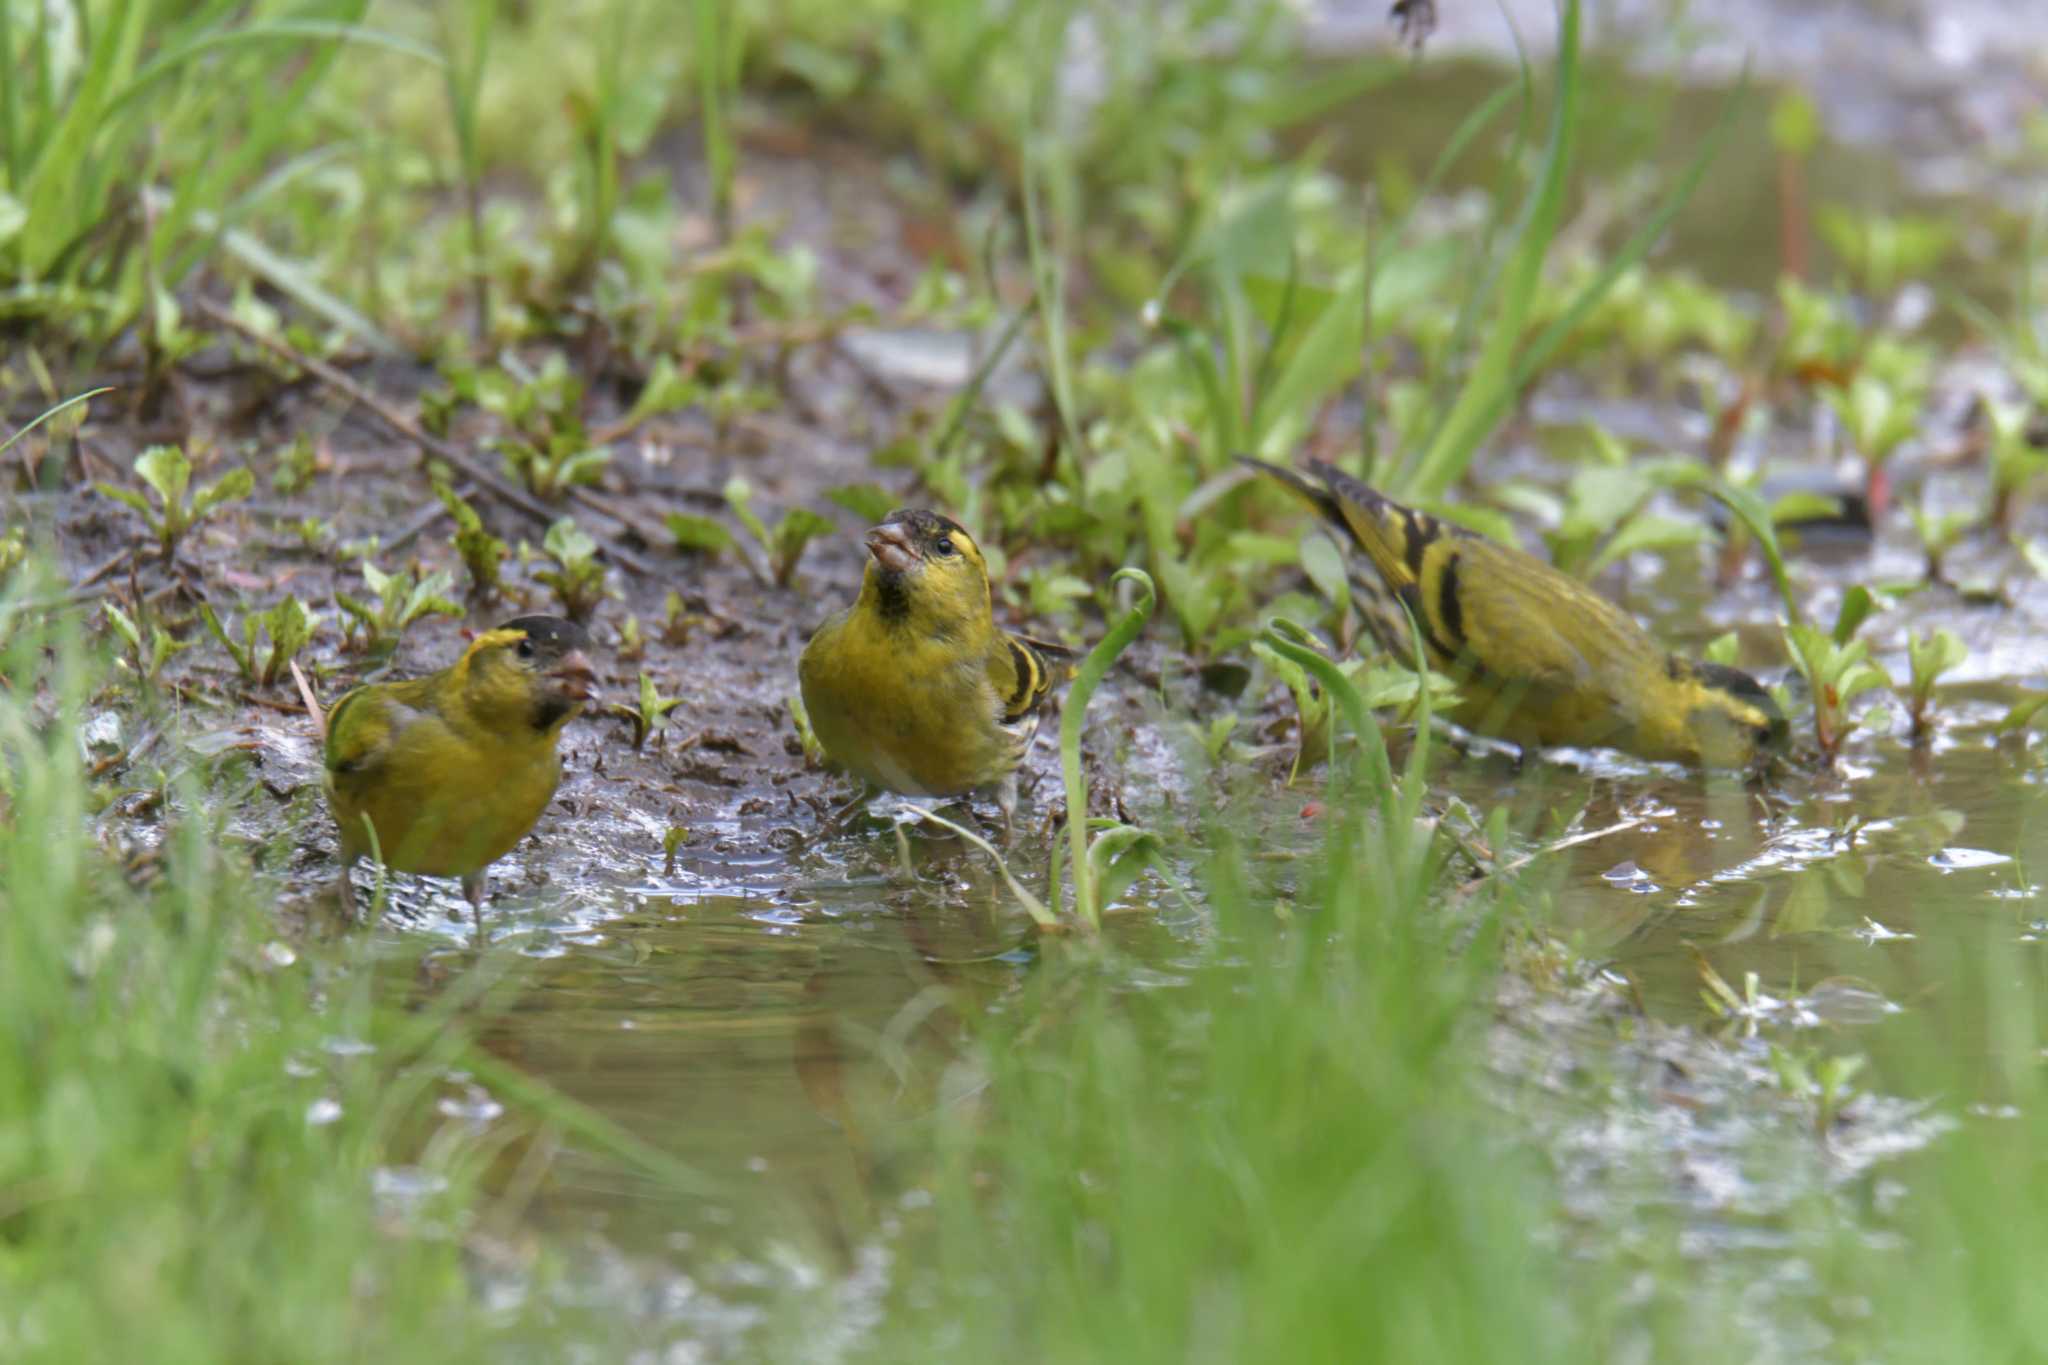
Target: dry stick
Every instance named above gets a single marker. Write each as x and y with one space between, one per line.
1557 846
411 431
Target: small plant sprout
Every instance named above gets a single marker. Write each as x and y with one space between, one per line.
146 657
1105 855
698 535
1884 252
397 600
178 507
632 640
578 578
482 553
547 447
1876 415
672 840
1826 1081
295 466
648 713
784 545
1930 655
678 622
1939 532
1838 668
2016 460
287 627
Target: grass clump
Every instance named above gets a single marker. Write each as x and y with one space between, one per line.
187 1168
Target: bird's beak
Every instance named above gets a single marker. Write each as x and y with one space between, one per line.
890 544
573 676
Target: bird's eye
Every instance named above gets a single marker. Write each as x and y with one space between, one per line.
526 649
945 548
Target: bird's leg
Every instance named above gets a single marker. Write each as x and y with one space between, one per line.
345 889
904 871
1006 801
473 889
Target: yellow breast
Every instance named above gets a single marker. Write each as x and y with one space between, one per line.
445 804
912 715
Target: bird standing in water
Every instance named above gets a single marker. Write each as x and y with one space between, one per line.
452 769
914 688
1539 658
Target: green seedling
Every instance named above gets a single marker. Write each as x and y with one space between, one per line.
1876 414
1385 685
13 552
1826 1081
315 534
146 657
1050 592
1821 339
578 579
2016 461
632 640
648 713
295 466
785 544
1105 855
554 464
672 840
397 601
1939 532
868 501
1930 655
483 554
667 389
178 507
698 535
1214 738
1606 516
287 627
547 447
1884 251
1837 668
678 622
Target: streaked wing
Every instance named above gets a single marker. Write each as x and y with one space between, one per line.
363 730
1020 674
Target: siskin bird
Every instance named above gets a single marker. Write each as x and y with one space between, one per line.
1539 658
914 687
452 769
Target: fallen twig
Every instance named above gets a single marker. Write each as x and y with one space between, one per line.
405 426
313 710
1556 846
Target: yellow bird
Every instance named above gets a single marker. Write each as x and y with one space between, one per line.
1539 658
914 687
452 769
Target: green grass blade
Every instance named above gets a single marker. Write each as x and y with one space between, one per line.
1490 385
1072 717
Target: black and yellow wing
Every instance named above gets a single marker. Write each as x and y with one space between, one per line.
1024 672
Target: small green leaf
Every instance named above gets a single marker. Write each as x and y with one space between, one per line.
697 533
232 486
739 496
165 469
121 622
567 543
868 501
1857 604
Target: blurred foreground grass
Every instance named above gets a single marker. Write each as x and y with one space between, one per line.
214 1145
